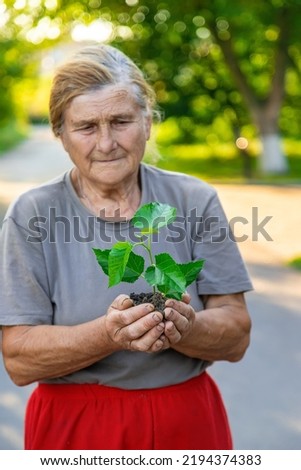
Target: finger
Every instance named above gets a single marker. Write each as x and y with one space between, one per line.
160 345
165 340
122 302
150 341
186 298
126 316
172 333
180 321
181 307
143 325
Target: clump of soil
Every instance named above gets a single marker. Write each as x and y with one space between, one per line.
155 298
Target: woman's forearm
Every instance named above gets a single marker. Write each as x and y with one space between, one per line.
33 353
220 332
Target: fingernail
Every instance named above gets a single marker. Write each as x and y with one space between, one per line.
169 313
159 345
156 317
125 300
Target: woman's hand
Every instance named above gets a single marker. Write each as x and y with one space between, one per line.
180 318
38 352
135 328
221 331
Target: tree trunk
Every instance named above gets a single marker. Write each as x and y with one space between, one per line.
265 113
272 158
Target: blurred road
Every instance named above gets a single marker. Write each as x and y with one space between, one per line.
262 392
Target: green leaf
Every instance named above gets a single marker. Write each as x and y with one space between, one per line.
102 257
150 217
191 270
154 276
166 276
118 258
134 268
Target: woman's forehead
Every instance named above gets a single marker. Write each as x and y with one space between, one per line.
110 99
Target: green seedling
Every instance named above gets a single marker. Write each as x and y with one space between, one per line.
164 274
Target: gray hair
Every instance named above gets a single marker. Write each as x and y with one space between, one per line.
92 68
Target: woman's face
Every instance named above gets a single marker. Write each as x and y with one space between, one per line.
105 133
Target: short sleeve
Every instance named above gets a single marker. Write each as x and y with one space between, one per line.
224 270
24 295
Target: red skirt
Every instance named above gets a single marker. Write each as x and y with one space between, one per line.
188 416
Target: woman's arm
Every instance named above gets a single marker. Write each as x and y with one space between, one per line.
219 332
33 353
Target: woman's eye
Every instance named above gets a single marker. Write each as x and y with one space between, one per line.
88 128
120 122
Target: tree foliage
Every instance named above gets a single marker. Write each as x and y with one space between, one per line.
209 60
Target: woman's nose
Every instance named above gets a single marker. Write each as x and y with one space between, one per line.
105 139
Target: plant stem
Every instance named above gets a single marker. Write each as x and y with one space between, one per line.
148 249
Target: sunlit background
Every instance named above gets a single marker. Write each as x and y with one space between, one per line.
222 72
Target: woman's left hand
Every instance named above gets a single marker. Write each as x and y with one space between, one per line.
180 317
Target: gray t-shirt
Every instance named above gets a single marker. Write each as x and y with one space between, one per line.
49 274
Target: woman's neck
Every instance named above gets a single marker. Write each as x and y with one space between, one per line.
115 204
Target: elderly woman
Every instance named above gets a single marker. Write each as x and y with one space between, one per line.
111 375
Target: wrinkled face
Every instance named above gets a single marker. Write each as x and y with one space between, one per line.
105 133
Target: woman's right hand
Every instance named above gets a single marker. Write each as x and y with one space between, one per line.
135 328
37 352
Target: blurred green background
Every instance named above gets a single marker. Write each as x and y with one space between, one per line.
226 74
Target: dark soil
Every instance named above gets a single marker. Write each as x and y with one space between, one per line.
157 299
